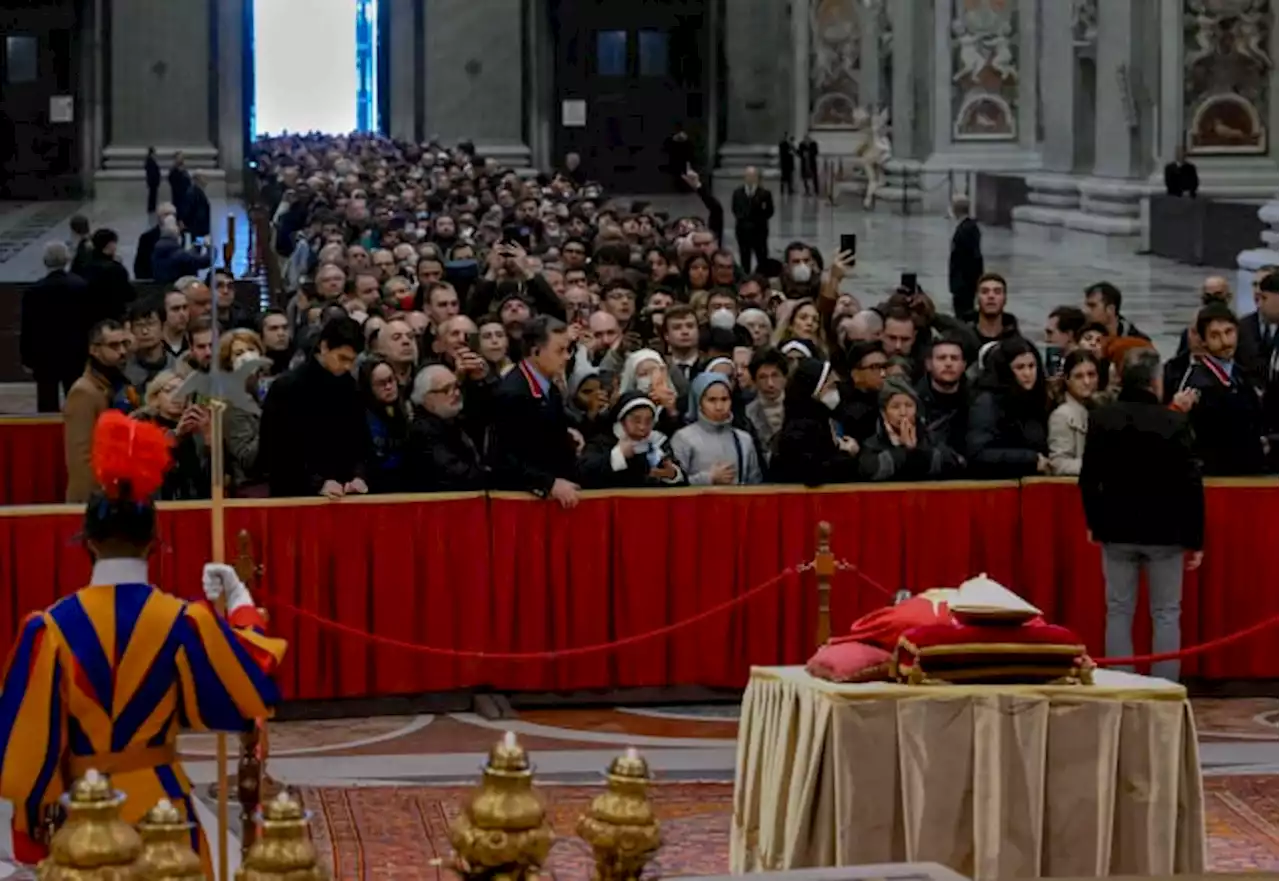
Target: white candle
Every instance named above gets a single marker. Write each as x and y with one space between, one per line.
509 740
632 753
164 805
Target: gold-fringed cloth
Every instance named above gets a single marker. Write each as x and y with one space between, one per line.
992 781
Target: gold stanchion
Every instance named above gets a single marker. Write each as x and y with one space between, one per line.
94 844
620 826
284 852
253 786
166 847
217 501
502 833
824 569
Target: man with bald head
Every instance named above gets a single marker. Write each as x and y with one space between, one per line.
752 210
440 455
860 327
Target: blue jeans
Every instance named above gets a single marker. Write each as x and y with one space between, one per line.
1121 564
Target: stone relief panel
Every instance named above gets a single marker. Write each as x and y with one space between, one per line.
1226 76
835 61
1084 23
984 66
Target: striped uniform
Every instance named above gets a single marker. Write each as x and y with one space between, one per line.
105 678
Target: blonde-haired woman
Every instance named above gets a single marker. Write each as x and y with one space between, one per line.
800 320
188 424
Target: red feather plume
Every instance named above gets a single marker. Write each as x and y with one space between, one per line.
129 456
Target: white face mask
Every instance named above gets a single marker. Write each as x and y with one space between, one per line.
243 358
801 273
830 398
723 319
644 384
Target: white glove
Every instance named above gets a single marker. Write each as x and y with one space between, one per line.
221 582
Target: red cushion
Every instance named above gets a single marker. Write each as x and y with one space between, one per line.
847 661
883 626
954 652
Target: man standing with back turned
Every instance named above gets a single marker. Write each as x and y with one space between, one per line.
1144 503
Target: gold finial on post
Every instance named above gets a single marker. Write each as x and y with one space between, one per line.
94 844
166 847
824 568
502 833
620 826
284 852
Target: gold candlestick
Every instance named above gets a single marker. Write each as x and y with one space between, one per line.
166 847
620 826
94 844
284 851
503 833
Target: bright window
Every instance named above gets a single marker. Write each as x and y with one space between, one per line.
314 65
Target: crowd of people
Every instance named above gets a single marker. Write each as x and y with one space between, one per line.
450 324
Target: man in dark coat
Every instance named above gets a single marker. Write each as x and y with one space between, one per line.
787 165
440 455
179 183
197 214
534 447
54 341
110 290
313 435
1227 418
143 266
808 153
966 265
1144 503
153 180
752 207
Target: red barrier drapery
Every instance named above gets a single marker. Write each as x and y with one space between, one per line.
33 468
508 573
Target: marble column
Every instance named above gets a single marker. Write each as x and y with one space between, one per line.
402 80
475 75
232 113
1117 149
759 87
162 74
1058 66
800 81
903 21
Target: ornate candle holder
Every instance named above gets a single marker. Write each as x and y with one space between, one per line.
94 844
284 851
166 847
620 826
502 834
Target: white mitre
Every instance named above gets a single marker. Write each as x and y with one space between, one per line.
985 594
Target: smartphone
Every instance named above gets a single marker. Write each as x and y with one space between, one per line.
1053 357
910 282
473 342
849 242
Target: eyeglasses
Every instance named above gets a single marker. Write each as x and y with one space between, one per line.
445 389
881 366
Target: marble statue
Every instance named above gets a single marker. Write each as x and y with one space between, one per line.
1206 37
973 57
1250 33
1002 53
872 148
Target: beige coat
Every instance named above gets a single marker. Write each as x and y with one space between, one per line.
88 398
1068 425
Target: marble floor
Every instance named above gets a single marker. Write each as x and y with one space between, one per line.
383 789
1160 296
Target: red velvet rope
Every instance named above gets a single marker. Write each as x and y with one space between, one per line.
389 642
329 624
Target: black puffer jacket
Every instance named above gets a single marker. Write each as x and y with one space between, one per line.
881 460
1008 425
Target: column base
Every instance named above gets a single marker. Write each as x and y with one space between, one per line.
736 157
1086 206
123 175
1245 178
950 171
1250 261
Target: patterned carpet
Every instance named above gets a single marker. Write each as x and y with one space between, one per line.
393 833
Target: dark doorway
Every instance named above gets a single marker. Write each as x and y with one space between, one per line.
626 74
41 107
